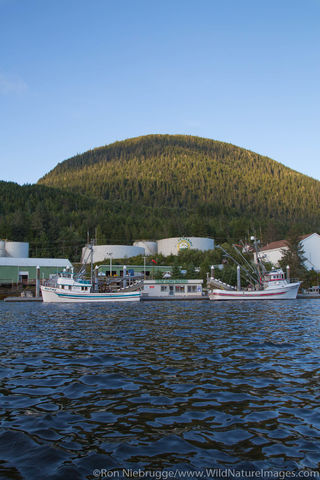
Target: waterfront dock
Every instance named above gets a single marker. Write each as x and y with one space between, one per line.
22 299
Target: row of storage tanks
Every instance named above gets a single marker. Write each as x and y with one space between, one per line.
14 249
165 247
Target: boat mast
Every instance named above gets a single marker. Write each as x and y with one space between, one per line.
252 268
260 267
249 275
91 260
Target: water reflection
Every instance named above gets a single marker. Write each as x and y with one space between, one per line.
158 385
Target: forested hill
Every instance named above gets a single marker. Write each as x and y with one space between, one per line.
155 187
53 221
191 173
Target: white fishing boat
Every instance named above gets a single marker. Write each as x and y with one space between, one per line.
272 285
65 288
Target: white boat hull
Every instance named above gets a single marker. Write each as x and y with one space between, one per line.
51 295
277 293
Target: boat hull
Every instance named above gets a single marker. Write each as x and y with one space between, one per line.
281 293
54 295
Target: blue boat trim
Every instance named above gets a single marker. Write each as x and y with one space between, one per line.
66 295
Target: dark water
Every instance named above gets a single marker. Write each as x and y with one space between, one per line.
158 386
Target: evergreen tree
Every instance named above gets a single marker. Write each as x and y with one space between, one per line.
176 273
293 256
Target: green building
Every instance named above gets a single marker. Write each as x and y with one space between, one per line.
23 270
148 270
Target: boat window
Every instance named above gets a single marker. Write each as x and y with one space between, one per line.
164 288
192 288
179 289
70 287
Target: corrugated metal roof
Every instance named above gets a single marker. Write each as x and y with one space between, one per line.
33 262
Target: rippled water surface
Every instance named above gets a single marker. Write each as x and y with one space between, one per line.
157 385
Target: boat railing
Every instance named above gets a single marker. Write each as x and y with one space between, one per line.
82 281
51 282
215 282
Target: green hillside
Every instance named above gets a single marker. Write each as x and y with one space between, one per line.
188 172
158 186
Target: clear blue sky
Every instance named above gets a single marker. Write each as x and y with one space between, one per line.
78 74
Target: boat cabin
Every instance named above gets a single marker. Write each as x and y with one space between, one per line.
274 277
66 281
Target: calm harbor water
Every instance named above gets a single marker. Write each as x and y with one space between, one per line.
158 386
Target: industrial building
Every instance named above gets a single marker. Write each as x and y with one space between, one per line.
165 246
111 270
16 266
23 270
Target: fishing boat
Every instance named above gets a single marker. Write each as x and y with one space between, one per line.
272 285
67 287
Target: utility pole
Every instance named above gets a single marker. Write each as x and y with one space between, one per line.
110 255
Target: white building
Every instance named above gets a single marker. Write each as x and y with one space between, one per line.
273 252
167 289
172 246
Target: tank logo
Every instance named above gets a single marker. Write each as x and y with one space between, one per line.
184 244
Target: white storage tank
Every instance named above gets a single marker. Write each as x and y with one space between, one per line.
150 248
104 252
2 248
172 246
17 249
